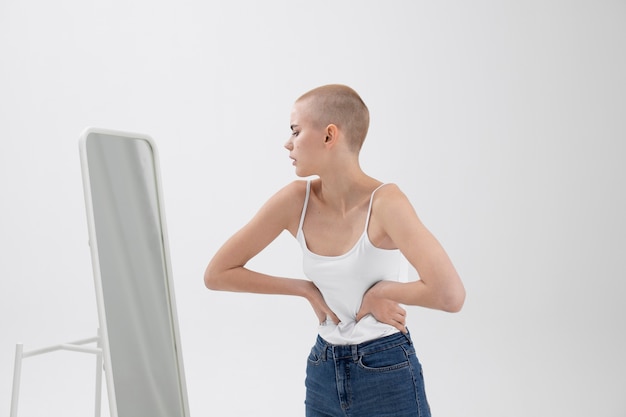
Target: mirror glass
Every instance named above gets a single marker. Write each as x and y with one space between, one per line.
133 277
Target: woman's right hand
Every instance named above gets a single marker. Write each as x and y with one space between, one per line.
321 309
384 309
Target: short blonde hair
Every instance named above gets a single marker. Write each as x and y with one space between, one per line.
342 106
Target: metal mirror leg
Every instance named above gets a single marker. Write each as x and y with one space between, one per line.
76 346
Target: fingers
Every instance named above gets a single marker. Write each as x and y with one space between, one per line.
398 320
322 311
401 325
360 315
324 315
321 317
395 317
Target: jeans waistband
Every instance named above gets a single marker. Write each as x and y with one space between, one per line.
365 348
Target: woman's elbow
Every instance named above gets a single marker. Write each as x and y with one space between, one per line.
453 301
211 278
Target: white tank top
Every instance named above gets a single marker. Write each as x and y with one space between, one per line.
344 279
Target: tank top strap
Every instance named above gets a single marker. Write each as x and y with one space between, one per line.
369 209
306 203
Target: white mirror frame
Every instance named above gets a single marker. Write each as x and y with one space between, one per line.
93 243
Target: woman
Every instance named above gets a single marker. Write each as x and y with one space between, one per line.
353 230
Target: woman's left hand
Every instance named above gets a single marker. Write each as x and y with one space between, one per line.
384 309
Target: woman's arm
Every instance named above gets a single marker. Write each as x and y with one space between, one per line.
439 286
227 272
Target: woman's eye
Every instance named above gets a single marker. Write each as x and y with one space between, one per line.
295 133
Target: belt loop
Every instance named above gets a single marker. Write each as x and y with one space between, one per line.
324 350
408 337
355 353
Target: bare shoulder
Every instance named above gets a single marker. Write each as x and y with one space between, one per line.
290 194
389 198
286 205
393 209
296 186
392 217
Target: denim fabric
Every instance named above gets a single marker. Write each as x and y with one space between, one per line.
380 378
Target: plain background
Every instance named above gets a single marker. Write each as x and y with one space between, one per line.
503 121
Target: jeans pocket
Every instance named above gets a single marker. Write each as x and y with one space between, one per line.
386 360
315 356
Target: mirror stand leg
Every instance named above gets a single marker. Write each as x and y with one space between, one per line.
17 372
98 378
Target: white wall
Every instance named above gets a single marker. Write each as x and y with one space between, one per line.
503 121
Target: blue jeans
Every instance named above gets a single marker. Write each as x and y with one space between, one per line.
380 378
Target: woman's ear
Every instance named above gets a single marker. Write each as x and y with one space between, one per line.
331 134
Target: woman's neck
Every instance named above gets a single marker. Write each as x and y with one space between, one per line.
345 190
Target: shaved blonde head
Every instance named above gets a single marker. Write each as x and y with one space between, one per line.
342 106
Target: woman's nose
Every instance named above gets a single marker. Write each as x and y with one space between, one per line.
288 145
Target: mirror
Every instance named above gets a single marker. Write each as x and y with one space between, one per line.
132 273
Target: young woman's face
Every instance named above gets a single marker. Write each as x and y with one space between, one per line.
305 143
